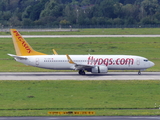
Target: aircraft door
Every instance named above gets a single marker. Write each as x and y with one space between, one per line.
138 61
37 61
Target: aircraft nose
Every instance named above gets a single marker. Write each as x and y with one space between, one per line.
152 64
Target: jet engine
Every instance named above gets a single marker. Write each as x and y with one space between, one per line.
99 69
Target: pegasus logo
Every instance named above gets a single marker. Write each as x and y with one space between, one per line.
24 44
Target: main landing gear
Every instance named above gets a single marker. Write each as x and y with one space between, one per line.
139 72
82 72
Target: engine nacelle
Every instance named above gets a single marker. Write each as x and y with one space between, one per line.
100 69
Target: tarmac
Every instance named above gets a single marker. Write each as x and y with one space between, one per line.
76 76
77 36
85 118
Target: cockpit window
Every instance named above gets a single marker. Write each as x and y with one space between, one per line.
145 60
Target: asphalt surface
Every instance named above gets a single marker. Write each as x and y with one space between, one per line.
85 118
76 76
64 36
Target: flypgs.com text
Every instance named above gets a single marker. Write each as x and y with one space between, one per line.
110 61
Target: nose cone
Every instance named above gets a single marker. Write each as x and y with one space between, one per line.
151 64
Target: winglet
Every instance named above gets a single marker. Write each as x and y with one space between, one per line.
21 46
54 51
69 59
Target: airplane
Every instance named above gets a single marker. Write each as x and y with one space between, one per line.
91 63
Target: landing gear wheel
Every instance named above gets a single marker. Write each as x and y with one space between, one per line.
81 72
139 72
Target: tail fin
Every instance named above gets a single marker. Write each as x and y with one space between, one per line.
21 46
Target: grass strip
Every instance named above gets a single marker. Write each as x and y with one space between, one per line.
36 98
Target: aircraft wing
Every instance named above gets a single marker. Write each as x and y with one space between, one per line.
78 66
82 66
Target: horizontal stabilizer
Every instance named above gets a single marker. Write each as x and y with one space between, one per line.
19 57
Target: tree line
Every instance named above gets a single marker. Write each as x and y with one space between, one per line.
78 12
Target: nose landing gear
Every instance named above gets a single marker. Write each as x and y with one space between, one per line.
139 72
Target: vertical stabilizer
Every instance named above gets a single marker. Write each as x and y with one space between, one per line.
21 46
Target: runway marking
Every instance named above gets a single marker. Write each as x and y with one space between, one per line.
72 113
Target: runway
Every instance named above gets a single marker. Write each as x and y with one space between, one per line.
85 118
77 36
76 76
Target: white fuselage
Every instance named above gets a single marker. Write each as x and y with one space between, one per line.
113 62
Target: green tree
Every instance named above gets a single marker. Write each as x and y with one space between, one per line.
14 21
69 14
27 22
148 20
3 5
105 8
150 6
27 12
81 12
64 22
52 8
47 21
85 2
7 15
